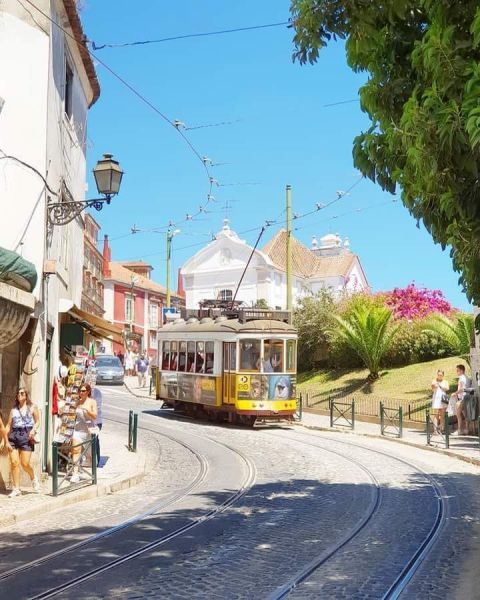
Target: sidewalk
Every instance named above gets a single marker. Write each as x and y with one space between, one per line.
121 469
131 383
464 448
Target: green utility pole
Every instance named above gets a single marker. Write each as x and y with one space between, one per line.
170 236
289 246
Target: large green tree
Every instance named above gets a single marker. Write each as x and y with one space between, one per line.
422 95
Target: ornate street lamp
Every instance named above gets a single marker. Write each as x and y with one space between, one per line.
108 177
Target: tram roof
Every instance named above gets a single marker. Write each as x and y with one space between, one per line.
229 325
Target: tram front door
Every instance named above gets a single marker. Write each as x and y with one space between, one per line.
229 371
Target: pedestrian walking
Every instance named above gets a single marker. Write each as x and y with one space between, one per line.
86 414
440 399
22 426
141 366
129 366
97 396
459 395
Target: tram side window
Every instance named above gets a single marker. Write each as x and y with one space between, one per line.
209 356
291 356
250 355
272 356
190 357
200 358
166 356
182 356
173 355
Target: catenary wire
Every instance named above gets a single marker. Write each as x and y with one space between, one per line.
177 125
188 35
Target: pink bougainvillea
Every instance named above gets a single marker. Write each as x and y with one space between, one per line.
415 303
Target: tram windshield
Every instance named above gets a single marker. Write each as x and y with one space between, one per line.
250 355
272 356
291 356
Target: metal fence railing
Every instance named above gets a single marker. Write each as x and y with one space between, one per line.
391 420
342 413
64 468
366 405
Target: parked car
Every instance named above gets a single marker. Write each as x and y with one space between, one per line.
109 369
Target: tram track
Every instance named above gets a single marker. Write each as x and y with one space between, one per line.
162 505
395 590
247 482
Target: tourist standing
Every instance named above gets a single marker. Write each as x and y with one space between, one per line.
22 425
86 417
463 383
440 387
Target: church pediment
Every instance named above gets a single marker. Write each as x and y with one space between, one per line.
226 252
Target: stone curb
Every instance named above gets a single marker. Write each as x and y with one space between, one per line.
467 459
88 493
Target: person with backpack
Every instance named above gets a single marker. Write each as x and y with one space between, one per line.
141 367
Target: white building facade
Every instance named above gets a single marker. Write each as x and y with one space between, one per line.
215 271
45 94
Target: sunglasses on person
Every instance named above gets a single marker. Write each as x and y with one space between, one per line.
22 393
83 390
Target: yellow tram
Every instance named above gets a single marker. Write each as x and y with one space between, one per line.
237 366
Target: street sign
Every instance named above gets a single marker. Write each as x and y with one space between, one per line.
171 314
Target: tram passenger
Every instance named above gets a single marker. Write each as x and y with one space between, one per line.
271 363
199 362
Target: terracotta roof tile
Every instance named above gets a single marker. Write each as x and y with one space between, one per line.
304 262
78 33
121 274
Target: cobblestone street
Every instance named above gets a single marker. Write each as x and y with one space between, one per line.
240 513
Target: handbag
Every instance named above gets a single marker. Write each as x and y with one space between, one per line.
445 399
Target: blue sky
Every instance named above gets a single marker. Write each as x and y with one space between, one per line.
281 132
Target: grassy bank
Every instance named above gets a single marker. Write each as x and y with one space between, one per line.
406 386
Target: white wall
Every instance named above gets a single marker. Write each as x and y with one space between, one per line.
34 129
23 126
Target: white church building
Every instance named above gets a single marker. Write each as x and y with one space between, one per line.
214 271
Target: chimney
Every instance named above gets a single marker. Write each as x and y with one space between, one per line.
180 288
107 257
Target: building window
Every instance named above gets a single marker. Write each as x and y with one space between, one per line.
153 315
226 295
68 89
129 308
153 339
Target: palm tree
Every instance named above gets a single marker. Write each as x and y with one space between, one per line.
457 332
367 332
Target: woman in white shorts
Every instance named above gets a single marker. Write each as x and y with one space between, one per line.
440 387
86 416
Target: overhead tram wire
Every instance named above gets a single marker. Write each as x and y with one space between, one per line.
189 35
177 125
268 224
